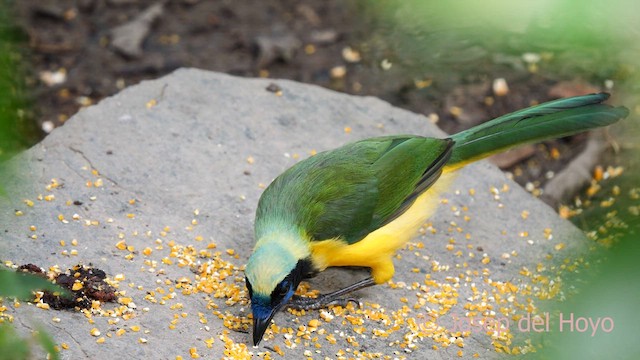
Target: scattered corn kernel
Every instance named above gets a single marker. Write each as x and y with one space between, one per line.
77 285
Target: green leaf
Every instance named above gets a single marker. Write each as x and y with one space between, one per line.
47 343
12 347
21 285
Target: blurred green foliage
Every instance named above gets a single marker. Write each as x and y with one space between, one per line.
612 293
18 129
21 286
12 346
458 41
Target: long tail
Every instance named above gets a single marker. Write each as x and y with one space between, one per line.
553 119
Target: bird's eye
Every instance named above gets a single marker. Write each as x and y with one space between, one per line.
248 284
281 290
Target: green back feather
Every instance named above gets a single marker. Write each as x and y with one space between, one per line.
351 191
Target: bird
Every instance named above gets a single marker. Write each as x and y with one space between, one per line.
356 205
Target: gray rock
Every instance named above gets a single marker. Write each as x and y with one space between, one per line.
182 143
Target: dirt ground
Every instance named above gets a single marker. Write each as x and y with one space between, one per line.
84 50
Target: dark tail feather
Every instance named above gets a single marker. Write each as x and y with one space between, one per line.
553 119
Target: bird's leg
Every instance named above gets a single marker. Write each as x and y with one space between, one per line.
332 298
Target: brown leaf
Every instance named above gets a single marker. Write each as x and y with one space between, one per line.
565 89
507 159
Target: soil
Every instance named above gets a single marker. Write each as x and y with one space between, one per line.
90 284
77 59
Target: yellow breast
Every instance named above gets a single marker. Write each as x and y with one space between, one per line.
376 250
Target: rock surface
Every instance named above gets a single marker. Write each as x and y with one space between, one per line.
132 170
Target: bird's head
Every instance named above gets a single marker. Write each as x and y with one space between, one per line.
272 276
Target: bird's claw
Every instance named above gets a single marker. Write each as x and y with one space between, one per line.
344 302
323 301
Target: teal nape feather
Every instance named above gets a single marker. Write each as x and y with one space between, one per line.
270 264
553 119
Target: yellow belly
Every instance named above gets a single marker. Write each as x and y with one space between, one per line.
376 250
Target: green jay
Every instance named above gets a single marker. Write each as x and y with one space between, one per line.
358 204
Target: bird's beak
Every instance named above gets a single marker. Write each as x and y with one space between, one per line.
260 325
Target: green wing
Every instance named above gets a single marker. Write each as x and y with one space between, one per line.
350 191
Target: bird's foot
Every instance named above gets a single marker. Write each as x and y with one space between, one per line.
322 301
333 298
